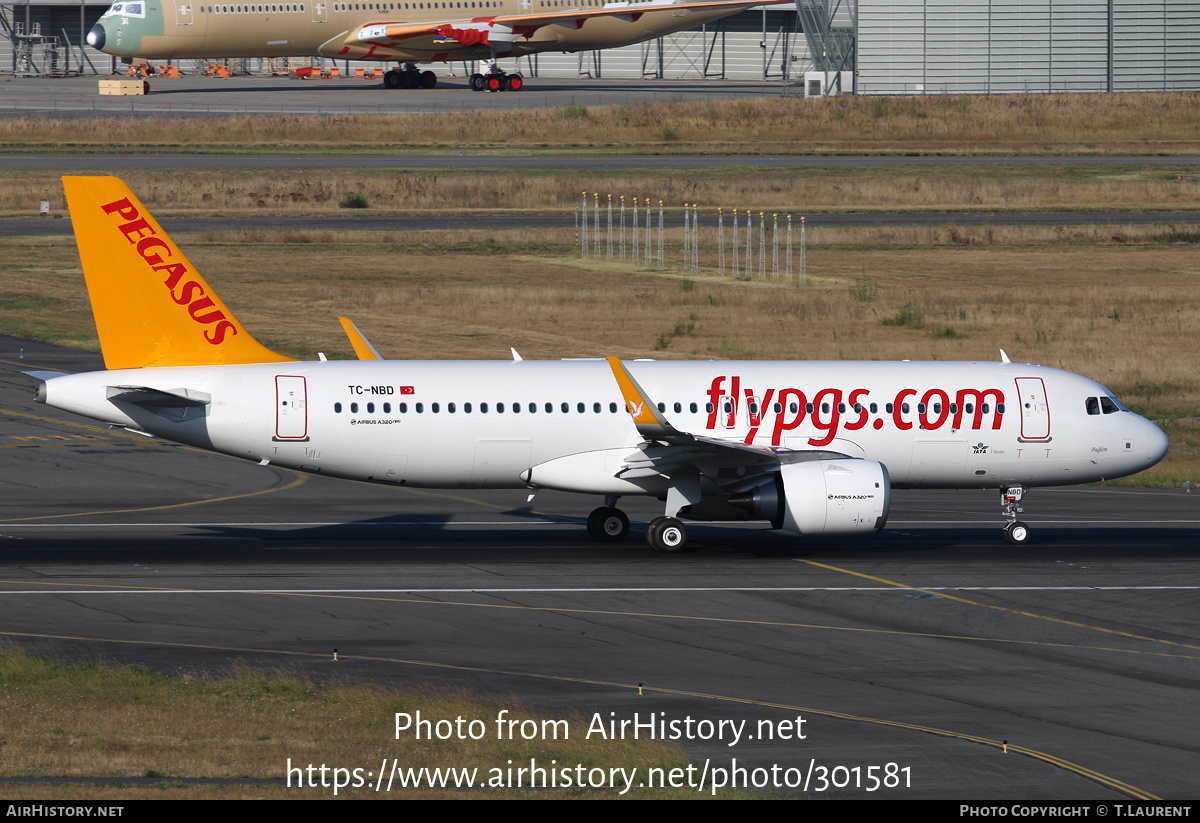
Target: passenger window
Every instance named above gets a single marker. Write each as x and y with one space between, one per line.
370 408
403 408
420 408
662 407
387 408
450 408
678 408
466 408
579 407
435 408
612 407
693 408
354 408
595 408
337 408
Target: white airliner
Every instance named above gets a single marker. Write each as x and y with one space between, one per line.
814 448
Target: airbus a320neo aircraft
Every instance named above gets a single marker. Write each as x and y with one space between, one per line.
812 447
406 32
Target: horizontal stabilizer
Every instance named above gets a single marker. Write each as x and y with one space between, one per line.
46 375
158 398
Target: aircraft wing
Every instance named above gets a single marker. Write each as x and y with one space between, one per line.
667 449
441 36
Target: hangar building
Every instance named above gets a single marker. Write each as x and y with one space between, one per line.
869 47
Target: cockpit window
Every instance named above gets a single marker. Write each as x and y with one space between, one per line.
1093 405
1110 405
128 9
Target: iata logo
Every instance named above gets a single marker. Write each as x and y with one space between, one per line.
156 253
979 448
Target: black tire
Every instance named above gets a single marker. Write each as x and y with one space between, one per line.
493 82
667 535
391 80
428 79
476 82
1017 533
513 82
608 525
409 79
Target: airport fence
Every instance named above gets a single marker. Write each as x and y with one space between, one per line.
624 230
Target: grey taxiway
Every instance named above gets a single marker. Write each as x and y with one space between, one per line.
927 646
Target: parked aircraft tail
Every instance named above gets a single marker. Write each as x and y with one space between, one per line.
152 307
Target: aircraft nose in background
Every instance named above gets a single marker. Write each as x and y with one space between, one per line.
96 36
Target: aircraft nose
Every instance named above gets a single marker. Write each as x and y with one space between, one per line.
1156 443
96 37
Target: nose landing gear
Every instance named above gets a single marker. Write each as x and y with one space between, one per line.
1015 532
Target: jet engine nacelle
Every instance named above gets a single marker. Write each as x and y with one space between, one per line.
823 497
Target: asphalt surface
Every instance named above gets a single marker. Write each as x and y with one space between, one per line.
925 646
193 96
401 159
21 227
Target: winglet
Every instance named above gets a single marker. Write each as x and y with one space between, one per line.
151 306
362 346
650 423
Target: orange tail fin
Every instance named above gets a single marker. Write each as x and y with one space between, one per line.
151 306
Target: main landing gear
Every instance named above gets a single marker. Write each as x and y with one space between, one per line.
496 80
608 524
409 78
1015 532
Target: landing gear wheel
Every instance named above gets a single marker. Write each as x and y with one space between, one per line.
608 525
493 82
477 82
392 79
428 79
409 80
667 535
513 82
1017 533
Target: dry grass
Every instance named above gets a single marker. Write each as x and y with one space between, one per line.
1088 123
1007 187
100 720
1124 311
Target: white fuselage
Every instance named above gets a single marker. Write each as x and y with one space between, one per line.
563 424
